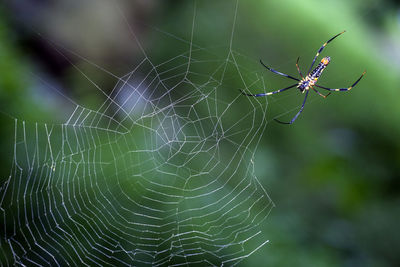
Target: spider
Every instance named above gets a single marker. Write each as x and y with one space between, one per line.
308 82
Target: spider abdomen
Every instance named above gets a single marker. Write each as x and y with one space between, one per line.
316 73
310 80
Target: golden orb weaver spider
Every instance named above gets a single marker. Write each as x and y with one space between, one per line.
308 82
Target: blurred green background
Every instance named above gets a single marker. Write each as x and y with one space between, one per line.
333 175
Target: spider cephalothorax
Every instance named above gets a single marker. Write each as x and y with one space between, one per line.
309 81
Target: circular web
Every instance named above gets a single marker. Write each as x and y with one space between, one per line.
160 174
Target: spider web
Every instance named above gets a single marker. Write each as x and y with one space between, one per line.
159 174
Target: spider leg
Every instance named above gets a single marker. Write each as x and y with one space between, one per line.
322 48
324 96
277 72
298 69
298 113
269 93
342 89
